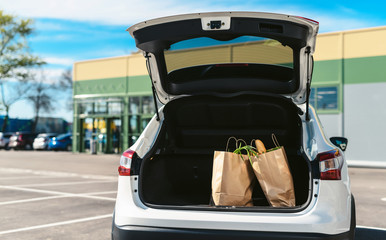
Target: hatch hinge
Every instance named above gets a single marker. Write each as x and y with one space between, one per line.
309 74
147 56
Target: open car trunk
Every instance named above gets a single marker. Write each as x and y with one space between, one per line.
178 169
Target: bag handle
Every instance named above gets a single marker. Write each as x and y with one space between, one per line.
226 149
237 141
241 140
275 141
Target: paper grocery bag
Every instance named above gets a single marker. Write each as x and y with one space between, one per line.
272 171
232 180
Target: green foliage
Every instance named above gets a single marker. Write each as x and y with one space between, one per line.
14 51
15 58
246 150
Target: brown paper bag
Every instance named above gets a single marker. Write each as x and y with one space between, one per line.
232 179
272 171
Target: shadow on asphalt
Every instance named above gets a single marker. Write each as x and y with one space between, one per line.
369 234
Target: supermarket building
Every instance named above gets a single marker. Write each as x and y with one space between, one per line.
113 98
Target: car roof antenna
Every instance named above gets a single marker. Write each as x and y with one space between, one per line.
147 56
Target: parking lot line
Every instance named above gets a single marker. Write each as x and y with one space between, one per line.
57 224
24 177
100 193
31 200
62 183
57 193
56 174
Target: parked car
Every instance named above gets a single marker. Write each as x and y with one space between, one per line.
61 142
42 140
240 74
4 140
22 140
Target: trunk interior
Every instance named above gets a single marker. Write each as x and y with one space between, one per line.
178 170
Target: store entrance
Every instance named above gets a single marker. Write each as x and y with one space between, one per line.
101 135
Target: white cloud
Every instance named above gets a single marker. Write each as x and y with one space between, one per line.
59 61
105 11
49 26
48 75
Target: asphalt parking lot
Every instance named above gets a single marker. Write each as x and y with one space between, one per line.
48 195
61 195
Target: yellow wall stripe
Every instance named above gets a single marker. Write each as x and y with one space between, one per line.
369 42
133 65
360 43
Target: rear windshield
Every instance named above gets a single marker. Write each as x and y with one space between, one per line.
242 50
64 135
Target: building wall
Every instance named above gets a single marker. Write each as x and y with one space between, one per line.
119 76
365 114
353 62
116 79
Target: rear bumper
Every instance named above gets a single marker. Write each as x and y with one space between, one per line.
15 144
39 145
150 233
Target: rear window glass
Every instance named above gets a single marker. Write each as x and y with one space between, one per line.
62 136
245 49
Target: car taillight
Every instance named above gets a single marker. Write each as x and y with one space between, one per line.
330 165
20 138
125 163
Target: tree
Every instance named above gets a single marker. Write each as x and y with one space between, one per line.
15 58
66 80
41 96
65 84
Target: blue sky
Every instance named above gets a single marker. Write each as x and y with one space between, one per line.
75 30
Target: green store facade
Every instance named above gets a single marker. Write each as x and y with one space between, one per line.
112 103
113 99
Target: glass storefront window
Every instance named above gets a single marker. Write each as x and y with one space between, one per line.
102 120
134 126
100 107
134 105
86 108
115 108
327 98
147 105
324 98
312 97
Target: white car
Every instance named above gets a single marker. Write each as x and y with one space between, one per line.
4 140
242 74
42 140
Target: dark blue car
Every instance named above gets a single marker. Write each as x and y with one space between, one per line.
61 142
